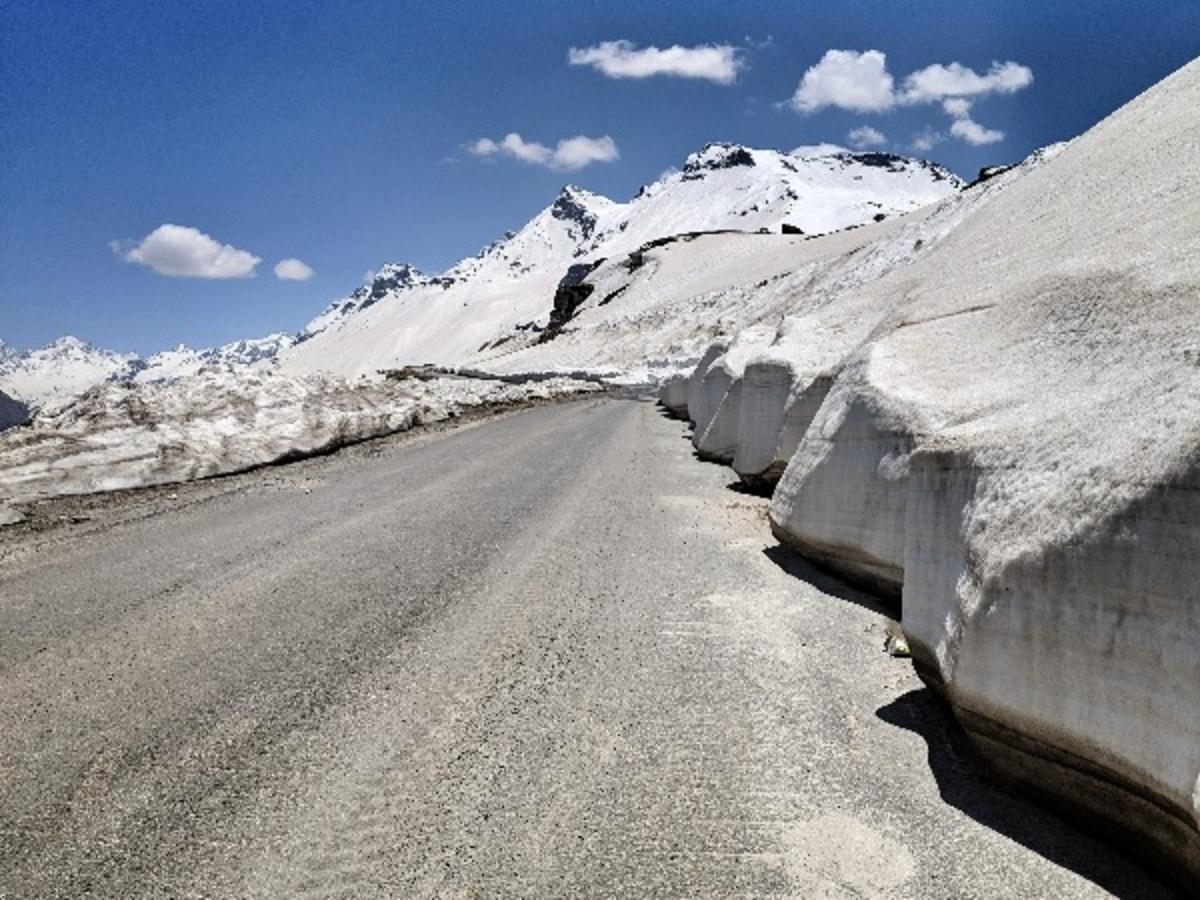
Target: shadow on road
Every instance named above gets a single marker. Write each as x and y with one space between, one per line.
740 487
960 776
827 583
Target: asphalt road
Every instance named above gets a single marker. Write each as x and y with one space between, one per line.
549 654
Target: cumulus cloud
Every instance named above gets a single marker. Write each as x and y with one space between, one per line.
846 79
292 269
483 147
958 107
577 152
866 136
568 155
926 139
956 80
719 63
973 133
964 127
861 82
184 252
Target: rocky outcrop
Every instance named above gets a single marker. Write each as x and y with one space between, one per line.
575 206
12 412
716 156
572 290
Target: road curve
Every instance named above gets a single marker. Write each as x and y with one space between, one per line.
548 654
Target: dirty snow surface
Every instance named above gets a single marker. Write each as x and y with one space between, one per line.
125 434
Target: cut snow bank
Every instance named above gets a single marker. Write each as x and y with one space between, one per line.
768 391
719 394
994 412
1016 446
125 435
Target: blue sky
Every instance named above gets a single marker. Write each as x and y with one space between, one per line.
340 134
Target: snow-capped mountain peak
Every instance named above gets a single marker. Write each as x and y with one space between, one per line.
716 155
507 289
402 315
580 207
60 370
390 279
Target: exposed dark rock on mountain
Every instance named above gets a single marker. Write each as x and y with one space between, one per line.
12 412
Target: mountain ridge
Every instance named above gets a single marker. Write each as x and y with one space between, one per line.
509 285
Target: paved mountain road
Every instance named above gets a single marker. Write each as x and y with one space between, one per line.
547 654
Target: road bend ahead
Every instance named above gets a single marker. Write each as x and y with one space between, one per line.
547 654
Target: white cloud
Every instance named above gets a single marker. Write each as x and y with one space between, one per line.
183 252
964 127
956 80
719 63
568 155
926 140
958 107
846 79
865 136
292 269
972 132
577 152
483 147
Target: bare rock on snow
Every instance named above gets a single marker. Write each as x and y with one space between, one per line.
12 412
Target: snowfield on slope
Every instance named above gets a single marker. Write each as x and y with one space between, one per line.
653 311
504 295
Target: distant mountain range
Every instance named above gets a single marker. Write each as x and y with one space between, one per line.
404 316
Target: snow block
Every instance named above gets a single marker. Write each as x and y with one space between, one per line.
767 386
1073 662
673 393
841 500
700 406
720 395
1018 451
718 442
777 409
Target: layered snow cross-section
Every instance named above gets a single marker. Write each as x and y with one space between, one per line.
994 417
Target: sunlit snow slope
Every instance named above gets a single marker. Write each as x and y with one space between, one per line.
506 292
